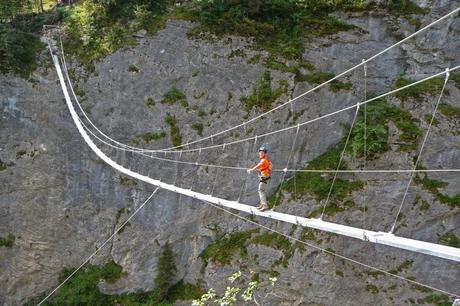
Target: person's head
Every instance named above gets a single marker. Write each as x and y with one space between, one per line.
262 151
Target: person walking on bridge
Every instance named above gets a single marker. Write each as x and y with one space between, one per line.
265 168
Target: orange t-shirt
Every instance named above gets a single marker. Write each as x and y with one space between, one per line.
265 167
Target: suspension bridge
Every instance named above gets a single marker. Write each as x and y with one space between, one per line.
89 131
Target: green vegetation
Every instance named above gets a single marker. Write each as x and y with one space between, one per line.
176 137
153 136
425 206
306 234
8 241
126 181
433 186
82 288
175 95
404 7
277 26
337 85
263 95
332 208
378 113
436 299
223 250
455 76
184 291
372 289
277 242
20 22
198 127
133 68
427 118
166 271
201 113
311 183
417 92
150 102
374 274
403 266
339 273
2 165
275 63
237 53
96 28
450 239
321 77
452 112
18 51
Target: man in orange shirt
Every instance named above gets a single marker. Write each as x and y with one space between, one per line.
265 168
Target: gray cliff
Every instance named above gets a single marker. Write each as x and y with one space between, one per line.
61 202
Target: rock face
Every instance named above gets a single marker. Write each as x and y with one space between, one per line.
61 202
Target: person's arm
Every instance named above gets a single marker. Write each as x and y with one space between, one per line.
254 168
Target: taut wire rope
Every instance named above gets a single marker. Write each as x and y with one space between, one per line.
248 161
305 122
274 170
279 106
411 175
332 253
98 249
365 145
340 161
278 194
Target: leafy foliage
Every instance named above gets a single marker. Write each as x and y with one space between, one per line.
18 51
455 76
20 20
165 274
223 250
417 92
404 7
277 242
96 28
198 127
153 136
450 239
8 241
184 291
263 95
436 299
450 111
175 95
234 294
176 137
2 165
81 289
433 186
277 26
313 183
378 113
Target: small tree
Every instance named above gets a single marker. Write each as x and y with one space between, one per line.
166 272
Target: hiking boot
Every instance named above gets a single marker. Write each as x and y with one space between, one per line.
264 207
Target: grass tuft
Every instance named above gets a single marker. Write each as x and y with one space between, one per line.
8 241
223 250
176 137
263 96
175 95
417 92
